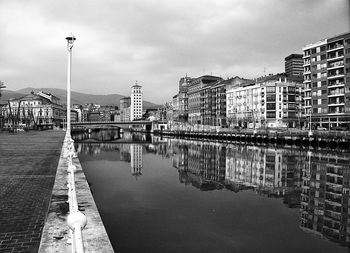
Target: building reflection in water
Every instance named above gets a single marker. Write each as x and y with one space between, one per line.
316 183
136 159
325 197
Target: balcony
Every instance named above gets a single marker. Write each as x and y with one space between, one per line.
335 65
333 47
333 93
307 62
336 84
335 55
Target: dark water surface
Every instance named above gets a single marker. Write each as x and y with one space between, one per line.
171 195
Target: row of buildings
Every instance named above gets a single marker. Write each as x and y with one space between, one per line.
45 110
313 92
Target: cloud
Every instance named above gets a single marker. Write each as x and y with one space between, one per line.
156 42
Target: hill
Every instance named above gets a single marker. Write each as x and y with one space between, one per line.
76 97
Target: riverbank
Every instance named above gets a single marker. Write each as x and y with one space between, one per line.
291 137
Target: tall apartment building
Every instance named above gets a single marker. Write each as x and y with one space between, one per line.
198 98
136 102
183 99
271 101
327 82
293 67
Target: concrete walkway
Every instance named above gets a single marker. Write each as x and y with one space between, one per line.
28 164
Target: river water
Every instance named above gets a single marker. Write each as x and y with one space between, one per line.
171 195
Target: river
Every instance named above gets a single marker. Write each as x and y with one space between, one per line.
171 195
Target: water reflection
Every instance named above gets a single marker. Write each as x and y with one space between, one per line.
325 197
317 184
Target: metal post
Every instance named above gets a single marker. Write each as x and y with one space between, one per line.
310 129
70 42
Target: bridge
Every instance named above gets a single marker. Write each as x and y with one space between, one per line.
149 126
112 123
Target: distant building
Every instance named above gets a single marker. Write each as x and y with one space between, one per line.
327 82
136 102
125 103
198 97
293 65
41 110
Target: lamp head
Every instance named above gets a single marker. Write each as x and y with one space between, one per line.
70 41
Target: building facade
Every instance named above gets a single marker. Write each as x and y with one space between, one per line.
41 110
271 101
327 82
293 66
125 103
136 102
199 100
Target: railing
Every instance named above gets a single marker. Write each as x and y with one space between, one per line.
76 220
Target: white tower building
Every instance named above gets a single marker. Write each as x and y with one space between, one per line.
136 102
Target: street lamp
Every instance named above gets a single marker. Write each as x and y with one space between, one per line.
310 128
70 42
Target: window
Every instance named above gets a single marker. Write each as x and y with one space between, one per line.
270 115
270 89
324 83
291 98
270 97
324 92
323 57
271 106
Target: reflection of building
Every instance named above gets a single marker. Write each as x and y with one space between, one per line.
325 198
200 164
209 166
125 152
136 159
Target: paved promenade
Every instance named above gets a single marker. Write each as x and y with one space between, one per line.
28 164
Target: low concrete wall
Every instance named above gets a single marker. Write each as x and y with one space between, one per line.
56 234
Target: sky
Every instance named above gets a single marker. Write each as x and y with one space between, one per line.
156 42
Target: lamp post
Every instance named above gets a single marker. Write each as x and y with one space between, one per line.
310 128
70 42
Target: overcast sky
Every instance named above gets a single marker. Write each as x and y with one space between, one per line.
156 42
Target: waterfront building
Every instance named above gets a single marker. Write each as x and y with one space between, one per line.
78 111
231 109
293 67
199 97
136 102
272 101
175 106
327 82
41 110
